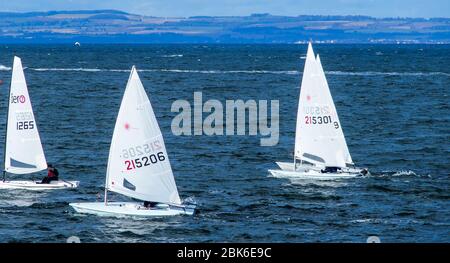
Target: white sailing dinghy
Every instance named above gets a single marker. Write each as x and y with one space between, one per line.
23 151
321 151
138 164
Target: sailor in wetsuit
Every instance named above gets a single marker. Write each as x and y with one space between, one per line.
148 204
52 175
330 169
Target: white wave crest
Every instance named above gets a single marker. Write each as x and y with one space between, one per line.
375 73
405 173
172 56
68 69
172 71
401 173
282 72
288 72
4 68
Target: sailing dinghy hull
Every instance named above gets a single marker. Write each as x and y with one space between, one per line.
285 165
313 175
320 145
37 186
124 209
313 172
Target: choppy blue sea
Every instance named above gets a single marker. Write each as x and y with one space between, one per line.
393 104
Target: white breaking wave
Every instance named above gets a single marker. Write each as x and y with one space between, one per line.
403 173
172 56
288 72
293 72
282 72
410 173
69 69
375 73
2 67
385 221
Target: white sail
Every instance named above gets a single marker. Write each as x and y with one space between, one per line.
23 153
340 144
319 138
138 163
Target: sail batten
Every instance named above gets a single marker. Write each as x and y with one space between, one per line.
23 150
319 137
138 164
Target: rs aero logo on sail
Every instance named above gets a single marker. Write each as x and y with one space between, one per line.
18 99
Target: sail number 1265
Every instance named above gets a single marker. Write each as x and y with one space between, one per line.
25 125
144 161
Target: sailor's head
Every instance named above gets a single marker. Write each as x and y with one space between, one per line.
49 165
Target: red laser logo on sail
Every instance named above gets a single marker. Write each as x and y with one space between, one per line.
127 126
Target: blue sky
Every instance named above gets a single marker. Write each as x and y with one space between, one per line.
377 8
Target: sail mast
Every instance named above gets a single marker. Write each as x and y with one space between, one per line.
133 68
6 128
305 83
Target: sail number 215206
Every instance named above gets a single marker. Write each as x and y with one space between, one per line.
144 161
143 155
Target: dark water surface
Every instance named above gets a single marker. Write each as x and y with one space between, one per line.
393 104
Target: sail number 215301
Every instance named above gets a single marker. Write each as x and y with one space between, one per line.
320 120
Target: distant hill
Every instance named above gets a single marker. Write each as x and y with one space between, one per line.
111 26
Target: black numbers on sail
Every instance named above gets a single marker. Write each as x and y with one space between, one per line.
25 125
336 125
317 119
145 161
